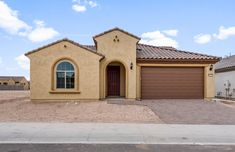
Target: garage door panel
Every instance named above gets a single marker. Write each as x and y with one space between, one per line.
172 83
169 82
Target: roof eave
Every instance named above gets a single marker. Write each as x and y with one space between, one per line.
225 69
113 29
177 61
58 41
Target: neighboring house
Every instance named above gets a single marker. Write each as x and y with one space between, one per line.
225 77
118 66
13 83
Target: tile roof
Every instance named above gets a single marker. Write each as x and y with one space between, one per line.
15 78
226 64
147 52
91 47
163 52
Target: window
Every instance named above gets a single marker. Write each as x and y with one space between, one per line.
65 75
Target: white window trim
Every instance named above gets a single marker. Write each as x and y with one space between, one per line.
55 76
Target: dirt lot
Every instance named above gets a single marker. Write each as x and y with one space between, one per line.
16 106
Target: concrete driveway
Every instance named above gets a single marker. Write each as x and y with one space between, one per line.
188 111
191 111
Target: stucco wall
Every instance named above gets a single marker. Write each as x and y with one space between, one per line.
209 85
221 83
123 52
41 72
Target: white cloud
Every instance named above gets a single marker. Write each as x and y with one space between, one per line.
224 33
157 38
81 5
172 32
92 4
9 20
39 23
0 61
79 8
202 38
23 62
41 33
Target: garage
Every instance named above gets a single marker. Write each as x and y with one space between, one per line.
172 82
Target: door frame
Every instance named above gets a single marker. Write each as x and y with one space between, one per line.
114 92
123 73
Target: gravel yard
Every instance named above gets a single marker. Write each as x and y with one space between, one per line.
15 106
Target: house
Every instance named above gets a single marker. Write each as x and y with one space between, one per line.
225 77
13 83
118 66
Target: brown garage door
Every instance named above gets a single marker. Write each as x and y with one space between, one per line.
172 83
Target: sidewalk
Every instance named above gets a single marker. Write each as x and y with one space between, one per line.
114 133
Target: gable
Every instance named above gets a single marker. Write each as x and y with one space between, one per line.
53 44
116 44
115 29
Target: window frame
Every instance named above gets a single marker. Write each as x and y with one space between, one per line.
65 78
54 78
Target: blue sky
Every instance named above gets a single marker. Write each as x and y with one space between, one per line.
199 26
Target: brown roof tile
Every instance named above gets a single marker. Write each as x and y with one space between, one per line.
163 52
91 47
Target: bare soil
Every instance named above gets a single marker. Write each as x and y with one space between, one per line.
15 106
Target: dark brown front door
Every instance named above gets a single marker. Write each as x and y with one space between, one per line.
113 79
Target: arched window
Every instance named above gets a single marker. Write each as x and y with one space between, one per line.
65 75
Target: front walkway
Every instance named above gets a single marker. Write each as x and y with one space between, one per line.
117 133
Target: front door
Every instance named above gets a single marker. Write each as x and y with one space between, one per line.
113 79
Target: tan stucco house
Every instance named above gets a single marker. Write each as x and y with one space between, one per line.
13 83
118 66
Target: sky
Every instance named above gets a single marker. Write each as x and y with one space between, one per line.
201 26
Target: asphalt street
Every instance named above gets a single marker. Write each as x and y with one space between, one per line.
112 148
